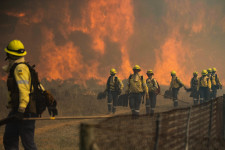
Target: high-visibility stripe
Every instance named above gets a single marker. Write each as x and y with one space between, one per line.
22 82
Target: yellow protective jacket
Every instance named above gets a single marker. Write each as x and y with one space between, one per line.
113 83
175 82
137 84
23 81
152 84
204 81
215 80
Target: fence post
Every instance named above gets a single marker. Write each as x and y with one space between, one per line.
187 130
87 137
224 116
157 132
210 122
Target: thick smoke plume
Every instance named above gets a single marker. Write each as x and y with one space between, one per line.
82 40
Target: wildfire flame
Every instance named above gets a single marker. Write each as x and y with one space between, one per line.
83 40
101 19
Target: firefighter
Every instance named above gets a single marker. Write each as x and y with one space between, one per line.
216 84
175 86
114 88
18 82
204 87
209 70
194 88
137 89
153 91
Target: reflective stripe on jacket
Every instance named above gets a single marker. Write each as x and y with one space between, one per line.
23 82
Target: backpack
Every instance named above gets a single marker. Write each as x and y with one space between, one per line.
39 98
117 88
143 93
158 89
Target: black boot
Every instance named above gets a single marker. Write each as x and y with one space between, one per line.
109 108
147 110
175 103
152 112
114 110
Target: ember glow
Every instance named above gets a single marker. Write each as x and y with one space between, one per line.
83 40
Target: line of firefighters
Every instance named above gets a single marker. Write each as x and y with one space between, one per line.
137 87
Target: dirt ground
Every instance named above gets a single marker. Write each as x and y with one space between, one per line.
64 135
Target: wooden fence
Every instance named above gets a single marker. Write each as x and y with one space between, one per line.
195 127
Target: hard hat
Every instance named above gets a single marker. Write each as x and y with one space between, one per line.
16 48
213 69
113 71
149 72
136 67
209 70
173 73
204 72
195 73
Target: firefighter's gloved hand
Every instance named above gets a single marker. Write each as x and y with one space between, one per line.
221 87
52 110
19 116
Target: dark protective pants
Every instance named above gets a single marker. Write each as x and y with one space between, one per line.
135 102
214 92
195 95
22 129
174 94
204 94
112 101
151 103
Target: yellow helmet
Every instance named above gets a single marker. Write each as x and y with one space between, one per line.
213 69
16 48
149 72
136 67
113 71
173 73
209 70
204 72
195 73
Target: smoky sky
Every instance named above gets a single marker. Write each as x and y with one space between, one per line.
198 26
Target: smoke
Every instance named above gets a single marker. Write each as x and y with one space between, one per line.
83 40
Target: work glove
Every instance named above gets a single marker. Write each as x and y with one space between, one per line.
50 98
52 110
18 116
221 87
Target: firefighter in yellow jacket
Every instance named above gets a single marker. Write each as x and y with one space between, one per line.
136 88
152 90
114 88
216 84
19 84
204 87
175 86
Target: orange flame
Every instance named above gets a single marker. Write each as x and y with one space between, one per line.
15 14
101 19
